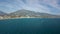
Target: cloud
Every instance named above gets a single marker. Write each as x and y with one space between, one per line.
10 6
46 6
53 3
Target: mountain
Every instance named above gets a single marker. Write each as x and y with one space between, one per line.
33 14
2 13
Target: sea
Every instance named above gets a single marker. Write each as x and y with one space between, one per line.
30 26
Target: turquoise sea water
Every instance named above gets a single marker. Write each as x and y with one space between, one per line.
30 26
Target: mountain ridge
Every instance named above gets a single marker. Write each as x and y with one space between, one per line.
24 12
2 13
29 13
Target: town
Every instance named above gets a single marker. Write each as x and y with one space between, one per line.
16 16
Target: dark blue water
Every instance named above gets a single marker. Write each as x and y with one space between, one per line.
30 26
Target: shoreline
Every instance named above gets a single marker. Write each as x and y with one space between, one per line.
21 18
16 18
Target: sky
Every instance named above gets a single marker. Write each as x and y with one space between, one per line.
43 6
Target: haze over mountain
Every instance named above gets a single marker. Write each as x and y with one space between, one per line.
24 12
2 13
29 13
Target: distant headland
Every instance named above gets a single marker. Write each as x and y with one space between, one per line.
26 14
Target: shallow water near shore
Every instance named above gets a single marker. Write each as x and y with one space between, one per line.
30 26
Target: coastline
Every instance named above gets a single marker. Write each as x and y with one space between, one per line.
16 18
21 18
